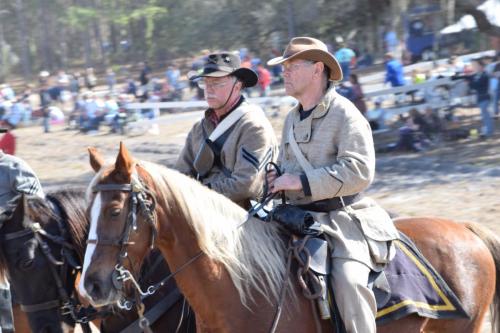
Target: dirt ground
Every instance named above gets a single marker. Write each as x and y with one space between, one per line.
457 180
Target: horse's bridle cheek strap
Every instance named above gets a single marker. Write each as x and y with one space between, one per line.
141 201
138 202
41 306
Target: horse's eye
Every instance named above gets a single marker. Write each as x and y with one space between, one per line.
26 258
115 212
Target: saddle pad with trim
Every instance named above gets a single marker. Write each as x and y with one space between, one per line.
416 287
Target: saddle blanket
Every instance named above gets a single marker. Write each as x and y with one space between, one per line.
416 287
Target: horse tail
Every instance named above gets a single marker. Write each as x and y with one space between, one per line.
493 244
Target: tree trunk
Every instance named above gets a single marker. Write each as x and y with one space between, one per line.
23 40
99 40
97 33
3 66
113 36
87 48
290 17
45 43
450 11
133 52
142 26
398 11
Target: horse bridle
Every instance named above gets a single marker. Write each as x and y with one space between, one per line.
141 201
138 198
68 305
139 194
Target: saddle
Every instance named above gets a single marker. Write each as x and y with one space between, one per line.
409 284
390 287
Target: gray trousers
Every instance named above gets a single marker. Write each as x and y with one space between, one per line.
356 302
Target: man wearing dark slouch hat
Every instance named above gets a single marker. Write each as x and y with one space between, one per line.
227 150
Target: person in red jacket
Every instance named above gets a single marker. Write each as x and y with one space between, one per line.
8 140
264 77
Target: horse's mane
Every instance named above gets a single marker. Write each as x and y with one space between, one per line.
253 254
72 205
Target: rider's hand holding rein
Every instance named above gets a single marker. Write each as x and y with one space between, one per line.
286 182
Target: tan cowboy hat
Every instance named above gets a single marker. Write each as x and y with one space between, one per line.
308 48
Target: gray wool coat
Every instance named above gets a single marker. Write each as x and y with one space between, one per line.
16 177
251 144
337 141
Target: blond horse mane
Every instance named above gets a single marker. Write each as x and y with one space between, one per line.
254 254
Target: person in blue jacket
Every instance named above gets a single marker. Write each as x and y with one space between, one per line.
393 71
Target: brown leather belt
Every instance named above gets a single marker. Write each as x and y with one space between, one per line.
327 205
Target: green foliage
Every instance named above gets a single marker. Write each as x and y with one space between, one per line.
150 14
78 17
65 33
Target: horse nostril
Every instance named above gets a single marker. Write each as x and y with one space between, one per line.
93 287
50 329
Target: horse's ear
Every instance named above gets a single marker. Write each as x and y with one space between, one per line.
124 161
96 160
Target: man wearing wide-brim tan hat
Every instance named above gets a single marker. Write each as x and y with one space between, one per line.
310 49
227 150
328 158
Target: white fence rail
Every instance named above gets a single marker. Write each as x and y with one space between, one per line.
445 81
157 106
454 93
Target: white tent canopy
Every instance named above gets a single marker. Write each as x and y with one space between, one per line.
490 7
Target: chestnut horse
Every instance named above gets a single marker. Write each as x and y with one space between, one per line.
234 285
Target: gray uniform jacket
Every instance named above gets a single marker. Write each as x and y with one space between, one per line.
16 177
251 144
337 141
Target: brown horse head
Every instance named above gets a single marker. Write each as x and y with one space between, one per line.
121 226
